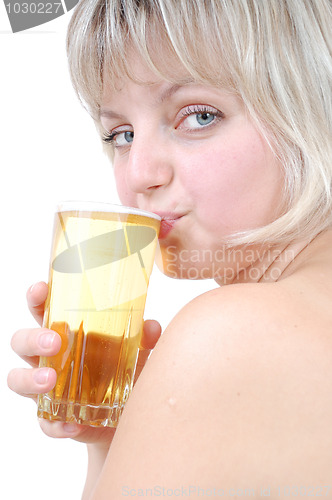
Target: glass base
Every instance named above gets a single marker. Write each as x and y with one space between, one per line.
96 416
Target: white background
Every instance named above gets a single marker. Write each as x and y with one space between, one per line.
49 151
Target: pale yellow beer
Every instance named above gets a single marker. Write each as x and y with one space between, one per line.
101 260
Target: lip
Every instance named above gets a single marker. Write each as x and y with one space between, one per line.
168 221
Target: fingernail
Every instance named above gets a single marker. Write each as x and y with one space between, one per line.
32 287
41 376
46 340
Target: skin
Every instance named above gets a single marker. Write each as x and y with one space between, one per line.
207 173
237 393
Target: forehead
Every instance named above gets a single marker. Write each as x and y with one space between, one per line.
160 65
160 70
169 74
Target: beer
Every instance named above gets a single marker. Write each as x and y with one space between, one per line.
101 262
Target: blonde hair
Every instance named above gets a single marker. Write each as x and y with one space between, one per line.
275 54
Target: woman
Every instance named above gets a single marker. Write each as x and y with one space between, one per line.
217 115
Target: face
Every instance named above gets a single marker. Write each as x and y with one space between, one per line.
190 153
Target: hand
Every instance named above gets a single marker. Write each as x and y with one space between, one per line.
29 344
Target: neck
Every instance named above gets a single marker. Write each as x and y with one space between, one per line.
273 263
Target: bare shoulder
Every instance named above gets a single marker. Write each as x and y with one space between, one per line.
236 395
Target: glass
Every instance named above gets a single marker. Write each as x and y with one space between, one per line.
101 260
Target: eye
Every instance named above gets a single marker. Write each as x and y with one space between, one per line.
119 138
198 117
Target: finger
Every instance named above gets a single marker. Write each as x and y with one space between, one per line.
141 361
143 356
36 296
35 342
151 334
57 429
29 382
82 433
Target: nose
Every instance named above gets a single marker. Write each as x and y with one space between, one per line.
149 166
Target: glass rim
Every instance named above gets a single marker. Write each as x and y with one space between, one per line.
100 206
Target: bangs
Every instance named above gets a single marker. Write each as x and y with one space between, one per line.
102 34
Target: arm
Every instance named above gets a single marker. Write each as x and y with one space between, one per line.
96 459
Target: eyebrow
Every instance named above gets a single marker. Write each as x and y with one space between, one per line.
109 114
171 90
165 94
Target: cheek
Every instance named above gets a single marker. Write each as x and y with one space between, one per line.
243 182
127 197
213 190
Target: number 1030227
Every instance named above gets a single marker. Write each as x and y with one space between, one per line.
33 8
304 491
